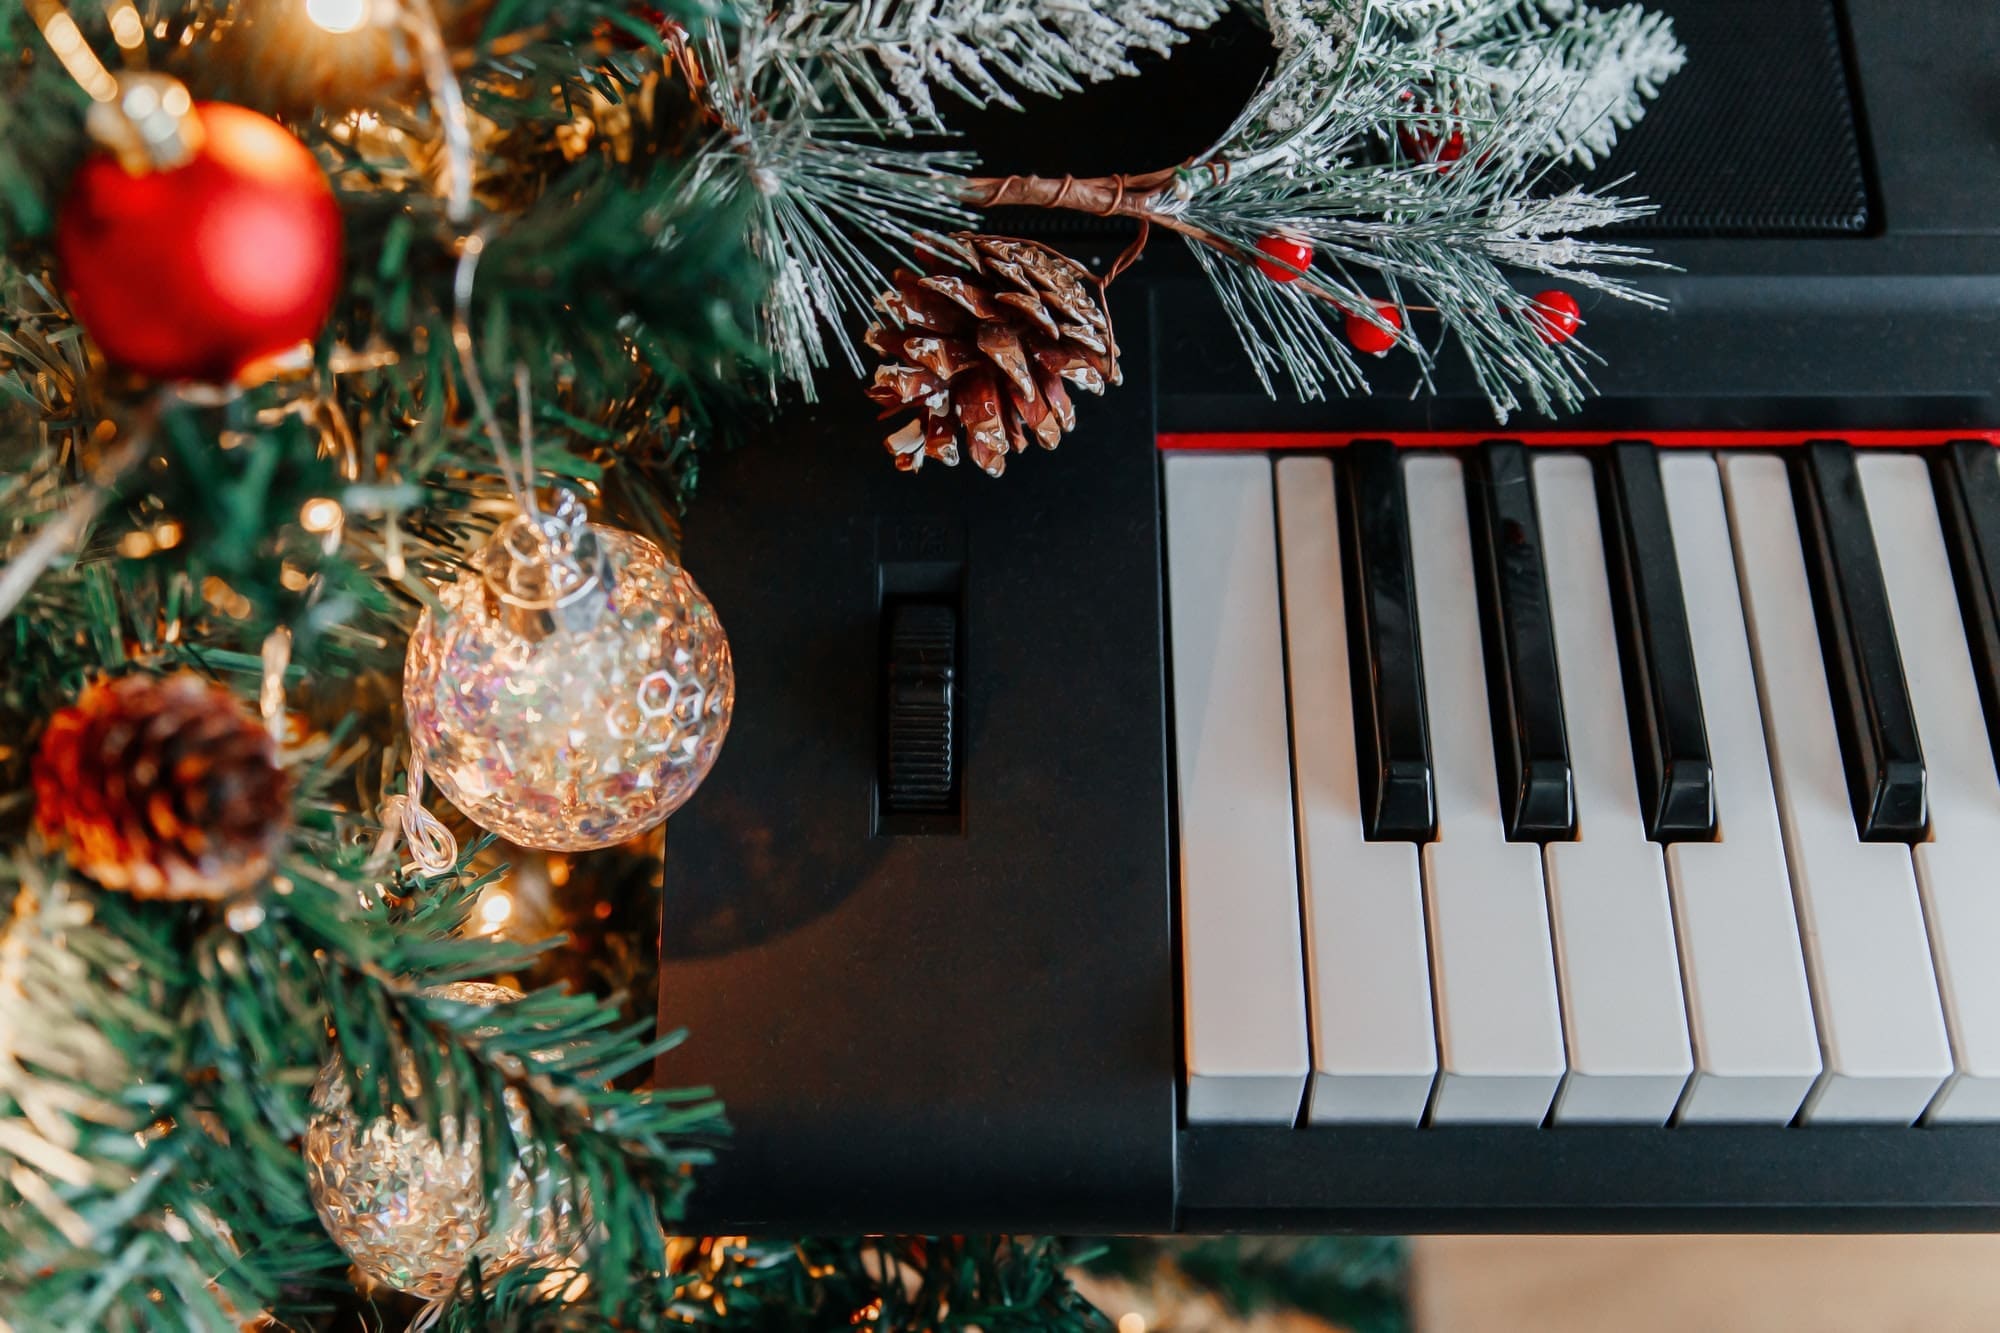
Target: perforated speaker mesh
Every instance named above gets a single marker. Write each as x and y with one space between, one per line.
1758 135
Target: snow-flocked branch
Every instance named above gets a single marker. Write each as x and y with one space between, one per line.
1343 148
885 60
826 202
1583 75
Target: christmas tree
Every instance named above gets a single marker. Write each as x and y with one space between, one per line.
357 357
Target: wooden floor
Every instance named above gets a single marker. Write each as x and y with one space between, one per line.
1708 1284
1646 1284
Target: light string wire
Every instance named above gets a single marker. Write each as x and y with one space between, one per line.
433 849
419 20
519 477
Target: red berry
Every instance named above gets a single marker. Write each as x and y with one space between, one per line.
1555 315
1286 250
1369 338
1425 144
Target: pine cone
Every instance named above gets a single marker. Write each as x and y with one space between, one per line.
984 353
163 786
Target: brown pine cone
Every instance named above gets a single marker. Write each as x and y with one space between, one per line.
984 353
162 786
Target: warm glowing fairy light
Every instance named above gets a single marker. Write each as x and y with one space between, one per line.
66 40
494 911
127 28
320 515
338 15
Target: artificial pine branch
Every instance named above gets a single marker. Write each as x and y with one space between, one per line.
207 1038
1587 72
826 203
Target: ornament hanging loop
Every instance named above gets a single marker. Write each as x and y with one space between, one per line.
545 572
433 850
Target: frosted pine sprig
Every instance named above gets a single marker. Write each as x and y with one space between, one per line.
885 59
1582 75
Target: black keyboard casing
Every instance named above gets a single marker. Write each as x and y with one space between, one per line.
977 1029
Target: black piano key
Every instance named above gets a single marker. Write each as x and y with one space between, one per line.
1530 742
1864 667
1670 753
1967 482
1391 723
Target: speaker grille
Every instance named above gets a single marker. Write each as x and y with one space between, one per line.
1757 136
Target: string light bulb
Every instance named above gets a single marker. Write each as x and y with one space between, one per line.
494 910
338 16
320 515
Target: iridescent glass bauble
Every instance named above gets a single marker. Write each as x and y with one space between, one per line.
569 701
410 1207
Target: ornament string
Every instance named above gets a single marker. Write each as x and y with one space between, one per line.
524 409
433 849
277 658
448 100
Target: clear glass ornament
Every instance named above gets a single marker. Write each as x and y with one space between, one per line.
575 691
409 1208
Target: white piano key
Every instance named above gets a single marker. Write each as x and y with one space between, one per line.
1374 1048
1624 1021
1749 1012
1500 1048
1243 974
1882 1034
1955 869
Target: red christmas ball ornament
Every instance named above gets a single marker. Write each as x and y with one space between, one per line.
1555 315
1293 250
197 257
1371 338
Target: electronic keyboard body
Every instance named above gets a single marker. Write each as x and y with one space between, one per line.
1362 815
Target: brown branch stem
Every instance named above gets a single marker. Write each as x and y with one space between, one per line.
1103 196
1120 197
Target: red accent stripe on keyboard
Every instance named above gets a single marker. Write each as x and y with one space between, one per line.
1696 439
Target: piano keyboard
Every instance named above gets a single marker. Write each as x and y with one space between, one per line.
1633 787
